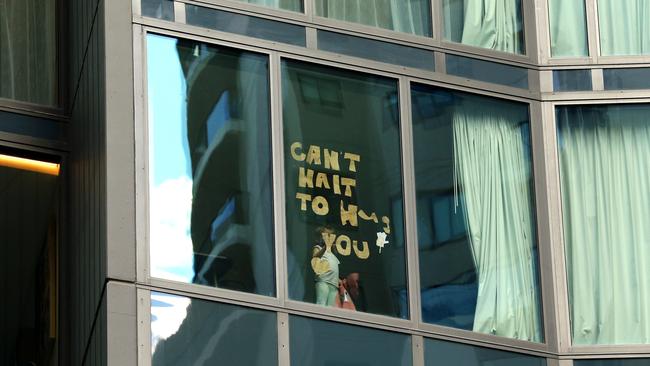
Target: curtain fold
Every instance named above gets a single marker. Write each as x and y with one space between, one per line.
624 27
568 28
492 169
492 24
28 51
407 16
605 176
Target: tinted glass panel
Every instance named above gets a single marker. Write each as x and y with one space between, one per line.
295 5
245 25
623 362
211 216
343 189
475 213
624 27
568 28
495 25
487 71
604 167
321 343
571 80
161 9
376 50
441 353
407 16
28 54
621 79
187 331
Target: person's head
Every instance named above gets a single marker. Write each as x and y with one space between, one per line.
320 231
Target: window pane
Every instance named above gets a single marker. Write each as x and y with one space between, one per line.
28 70
438 353
321 343
571 80
604 169
475 213
407 16
624 27
343 189
187 331
568 26
376 50
245 25
627 79
210 167
490 72
161 9
295 5
493 24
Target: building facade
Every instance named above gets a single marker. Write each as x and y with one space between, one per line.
327 182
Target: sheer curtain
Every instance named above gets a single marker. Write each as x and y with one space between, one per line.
624 27
408 16
28 51
568 27
605 176
493 24
492 168
295 5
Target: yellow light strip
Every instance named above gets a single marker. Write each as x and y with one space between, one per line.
29 164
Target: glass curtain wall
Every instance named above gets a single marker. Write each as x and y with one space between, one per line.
568 28
475 213
492 24
210 182
624 27
345 231
406 16
604 167
28 67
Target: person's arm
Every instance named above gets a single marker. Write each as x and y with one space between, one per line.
318 251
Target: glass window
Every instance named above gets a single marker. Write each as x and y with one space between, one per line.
28 67
475 213
571 80
343 189
294 5
604 167
161 9
376 50
406 16
568 26
322 343
627 78
490 72
624 27
187 331
245 25
492 24
210 185
438 353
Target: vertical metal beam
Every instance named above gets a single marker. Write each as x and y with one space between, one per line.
408 169
179 12
543 32
144 326
312 38
593 36
441 62
530 30
284 356
437 20
279 199
597 80
417 343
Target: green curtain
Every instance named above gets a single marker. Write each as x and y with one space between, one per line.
407 16
28 51
493 24
605 176
294 5
492 168
568 28
624 27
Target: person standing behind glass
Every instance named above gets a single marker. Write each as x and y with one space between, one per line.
326 268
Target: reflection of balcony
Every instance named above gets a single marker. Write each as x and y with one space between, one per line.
215 264
216 178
